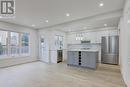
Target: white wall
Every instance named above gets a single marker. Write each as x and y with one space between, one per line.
33 45
51 52
125 43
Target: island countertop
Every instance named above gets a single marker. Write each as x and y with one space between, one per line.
90 50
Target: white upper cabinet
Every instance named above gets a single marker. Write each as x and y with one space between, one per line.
93 36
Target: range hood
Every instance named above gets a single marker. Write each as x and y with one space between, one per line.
85 41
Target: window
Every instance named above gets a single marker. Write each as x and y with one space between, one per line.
24 43
59 41
13 43
3 43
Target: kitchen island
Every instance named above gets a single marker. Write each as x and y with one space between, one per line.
83 58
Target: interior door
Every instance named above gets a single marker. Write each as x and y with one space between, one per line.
44 49
129 70
128 58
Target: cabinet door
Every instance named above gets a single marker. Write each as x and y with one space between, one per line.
89 59
92 59
84 59
70 58
76 57
73 57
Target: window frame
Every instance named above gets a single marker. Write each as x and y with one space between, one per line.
19 55
57 41
24 54
2 56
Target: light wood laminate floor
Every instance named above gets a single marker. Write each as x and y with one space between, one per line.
38 74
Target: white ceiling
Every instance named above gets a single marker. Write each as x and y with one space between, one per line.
111 19
111 22
30 12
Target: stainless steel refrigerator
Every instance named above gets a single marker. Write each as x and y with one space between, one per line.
110 50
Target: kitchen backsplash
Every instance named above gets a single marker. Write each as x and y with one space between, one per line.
91 46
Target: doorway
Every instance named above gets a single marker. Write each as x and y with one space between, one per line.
44 49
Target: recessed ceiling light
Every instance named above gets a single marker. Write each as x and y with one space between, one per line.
46 21
67 14
105 25
33 25
0 16
128 21
101 4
